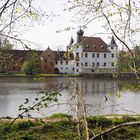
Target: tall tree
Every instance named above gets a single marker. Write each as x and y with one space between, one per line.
31 67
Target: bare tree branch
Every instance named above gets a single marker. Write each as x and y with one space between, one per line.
114 128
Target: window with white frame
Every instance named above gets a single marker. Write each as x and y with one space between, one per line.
104 64
86 55
98 55
112 55
66 62
93 64
77 54
98 64
77 64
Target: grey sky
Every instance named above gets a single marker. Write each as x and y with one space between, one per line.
45 34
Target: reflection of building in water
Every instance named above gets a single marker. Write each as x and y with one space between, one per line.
99 96
99 86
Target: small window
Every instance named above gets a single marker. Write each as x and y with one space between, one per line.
56 62
98 64
66 62
45 60
111 48
85 64
93 55
98 55
77 54
104 64
73 69
81 64
77 70
61 68
112 55
61 62
86 55
77 64
93 64
104 55
51 63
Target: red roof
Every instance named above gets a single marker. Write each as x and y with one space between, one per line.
94 44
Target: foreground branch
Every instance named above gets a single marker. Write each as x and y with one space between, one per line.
114 128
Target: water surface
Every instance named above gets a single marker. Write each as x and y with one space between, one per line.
100 96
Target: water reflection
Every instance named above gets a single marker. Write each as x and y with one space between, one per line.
101 96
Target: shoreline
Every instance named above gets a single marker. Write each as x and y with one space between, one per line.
49 118
115 76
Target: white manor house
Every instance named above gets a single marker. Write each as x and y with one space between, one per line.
87 55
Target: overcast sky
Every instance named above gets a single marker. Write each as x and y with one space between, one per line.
45 34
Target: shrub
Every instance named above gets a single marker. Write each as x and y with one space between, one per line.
99 121
60 116
24 125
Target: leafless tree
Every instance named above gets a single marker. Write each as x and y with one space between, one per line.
16 14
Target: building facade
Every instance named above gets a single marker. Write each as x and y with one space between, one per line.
90 55
85 55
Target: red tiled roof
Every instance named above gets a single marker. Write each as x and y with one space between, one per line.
94 44
20 53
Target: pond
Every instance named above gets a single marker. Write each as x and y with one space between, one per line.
100 96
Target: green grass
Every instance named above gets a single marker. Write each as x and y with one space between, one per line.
63 129
40 75
18 75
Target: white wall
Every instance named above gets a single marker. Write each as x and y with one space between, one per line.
72 67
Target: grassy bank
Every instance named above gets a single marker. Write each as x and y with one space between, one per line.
40 75
64 127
